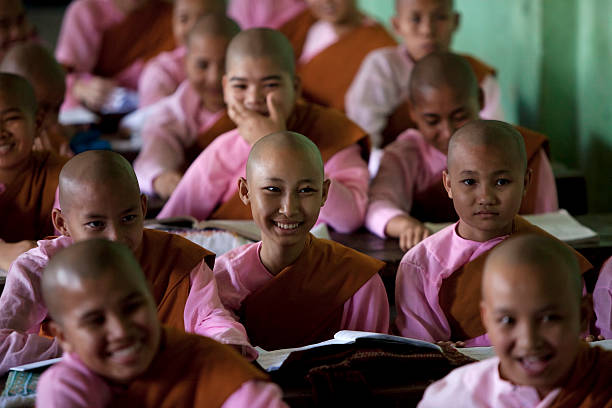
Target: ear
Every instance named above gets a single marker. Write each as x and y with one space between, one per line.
297 86
527 181
412 111
325 191
481 99
58 332
457 20
224 84
586 313
243 191
395 23
483 315
59 221
143 205
447 184
39 118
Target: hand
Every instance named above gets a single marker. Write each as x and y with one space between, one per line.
455 344
590 338
166 183
93 92
54 138
410 231
10 251
253 125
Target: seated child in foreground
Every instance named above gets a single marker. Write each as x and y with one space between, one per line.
378 99
47 77
408 188
534 312
28 178
438 281
117 354
104 45
182 125
330 41
602 300
260 89
99 197
292 289
165 72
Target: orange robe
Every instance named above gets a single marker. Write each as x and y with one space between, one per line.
328 75
307 298
460 293
27 202
188 371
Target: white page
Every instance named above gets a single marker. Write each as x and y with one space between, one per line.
477 353
37 364
273 360
351 335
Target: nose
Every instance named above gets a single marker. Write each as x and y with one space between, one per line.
427 26
288 205
117 326
214 75
446 130
486 194
253 96
528 336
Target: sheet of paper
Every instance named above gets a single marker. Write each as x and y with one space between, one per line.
605 344
349 336
78 116
477 353
37 364
273 360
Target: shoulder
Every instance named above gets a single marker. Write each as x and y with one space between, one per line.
335 253
381 60
34 261
409 145
236 259
426 256
87 9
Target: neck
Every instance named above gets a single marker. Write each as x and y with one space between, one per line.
276 258
353 20
7 176
465 231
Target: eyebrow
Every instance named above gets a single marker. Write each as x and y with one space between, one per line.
10 110
279 180
266 78
472 172
93 215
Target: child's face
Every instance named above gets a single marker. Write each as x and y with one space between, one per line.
111 323
285 196
425 26
17 131
205 65
533 324
487 185
332 11
439 112
185 14
249 81
13 25
114 212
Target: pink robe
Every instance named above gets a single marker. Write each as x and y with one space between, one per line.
410 166
265 13
480 385
382 84
240 272
213 177
602 300
23 309
70 384
171 128
161 76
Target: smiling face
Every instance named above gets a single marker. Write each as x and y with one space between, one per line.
439 112
187 12
17 131
487 184
110 322
205 65
333 11
533 319
248 81
425 25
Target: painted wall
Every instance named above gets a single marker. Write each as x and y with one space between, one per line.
553 59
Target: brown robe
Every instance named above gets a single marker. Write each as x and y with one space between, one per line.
434 205
141 35
328 75
329 129
27 202
460 293
188 371
400 118
304 303
590 381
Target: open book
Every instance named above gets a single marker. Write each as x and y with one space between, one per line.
559 224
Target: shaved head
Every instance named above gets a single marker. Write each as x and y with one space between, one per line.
443 69
400 3
39 67
214 24
95 167
262 43
87 260
18 91
500 135
287 144
547 259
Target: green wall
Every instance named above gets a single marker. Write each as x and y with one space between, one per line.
554 61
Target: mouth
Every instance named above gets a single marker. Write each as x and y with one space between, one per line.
126 354
486 214
6 147
287 226
535 365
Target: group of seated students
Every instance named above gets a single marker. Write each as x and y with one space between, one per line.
277 124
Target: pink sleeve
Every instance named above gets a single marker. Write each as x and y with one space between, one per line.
373 96
391 190
417 316
256 394
155 83
22 314
602 300
368 308
63 386
206 316
492 99
546 189
347 199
